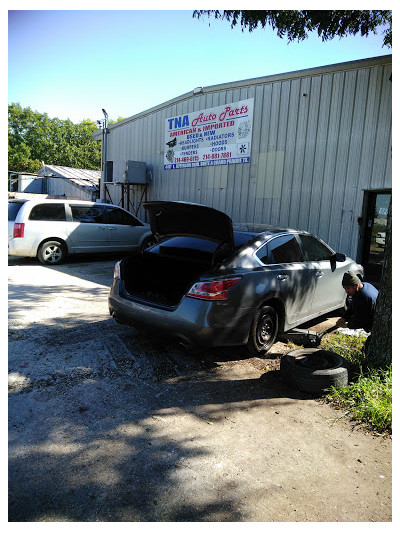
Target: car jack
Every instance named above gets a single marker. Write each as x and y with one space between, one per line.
305 337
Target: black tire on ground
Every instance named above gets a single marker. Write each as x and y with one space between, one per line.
52 253
313 370
263 331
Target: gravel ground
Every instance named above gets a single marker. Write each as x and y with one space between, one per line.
108 424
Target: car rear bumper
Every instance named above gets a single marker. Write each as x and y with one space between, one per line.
192 322
19 247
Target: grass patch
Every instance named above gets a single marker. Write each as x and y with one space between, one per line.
368 396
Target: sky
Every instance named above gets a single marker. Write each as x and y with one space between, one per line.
72 63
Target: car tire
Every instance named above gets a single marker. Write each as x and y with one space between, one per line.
313 370
52 252
263 331
148 241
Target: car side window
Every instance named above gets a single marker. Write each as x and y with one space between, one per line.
262 254
283 249
119 216
314 249
89 214
52 212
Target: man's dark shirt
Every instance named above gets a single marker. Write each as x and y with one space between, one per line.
363 308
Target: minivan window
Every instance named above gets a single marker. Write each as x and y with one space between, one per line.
118 216
90 214
48 212
13 208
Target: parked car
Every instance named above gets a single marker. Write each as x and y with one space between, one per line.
208 284
52 229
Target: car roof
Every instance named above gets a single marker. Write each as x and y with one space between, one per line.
264 229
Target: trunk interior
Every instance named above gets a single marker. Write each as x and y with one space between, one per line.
161 279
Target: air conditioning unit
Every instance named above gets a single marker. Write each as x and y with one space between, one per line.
136 172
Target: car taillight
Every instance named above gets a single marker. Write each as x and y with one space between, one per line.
212 290
117 270
19 228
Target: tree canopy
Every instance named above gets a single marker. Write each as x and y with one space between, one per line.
34 137
296 24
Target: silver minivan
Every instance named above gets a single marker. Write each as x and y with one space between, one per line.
52 229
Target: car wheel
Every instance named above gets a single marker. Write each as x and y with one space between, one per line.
51 253
148 241
313 370
263 331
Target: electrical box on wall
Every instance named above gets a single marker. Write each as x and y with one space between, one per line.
136 172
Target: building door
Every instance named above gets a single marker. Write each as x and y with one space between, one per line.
375 234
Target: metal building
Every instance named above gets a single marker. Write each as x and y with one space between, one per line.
309 150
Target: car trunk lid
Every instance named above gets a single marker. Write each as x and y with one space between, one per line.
182 218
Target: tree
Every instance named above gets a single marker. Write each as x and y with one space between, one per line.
330 24
379 347
34 137
297 24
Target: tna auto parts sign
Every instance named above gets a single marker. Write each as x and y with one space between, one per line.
216 136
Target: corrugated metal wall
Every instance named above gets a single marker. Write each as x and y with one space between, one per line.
64 188
320 138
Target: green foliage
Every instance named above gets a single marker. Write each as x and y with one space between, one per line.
296 24
350 347
368 396
369 399
34 137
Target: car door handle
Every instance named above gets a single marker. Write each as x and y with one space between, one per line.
102 228
111 228
319 274
282 277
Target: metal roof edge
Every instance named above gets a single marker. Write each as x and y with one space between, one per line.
335 67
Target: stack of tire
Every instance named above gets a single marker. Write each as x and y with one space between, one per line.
313 370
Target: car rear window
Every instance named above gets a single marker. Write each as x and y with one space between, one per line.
54 212
13 208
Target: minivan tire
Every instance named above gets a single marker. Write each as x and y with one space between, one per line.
51 252
148 241
313 370
263 331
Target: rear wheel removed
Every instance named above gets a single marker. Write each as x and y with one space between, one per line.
313 370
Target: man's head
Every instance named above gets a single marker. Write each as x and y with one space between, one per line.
351 283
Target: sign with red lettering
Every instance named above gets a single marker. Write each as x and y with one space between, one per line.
216 136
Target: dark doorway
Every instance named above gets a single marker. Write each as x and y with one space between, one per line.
375 234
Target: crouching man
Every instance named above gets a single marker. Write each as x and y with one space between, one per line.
363 303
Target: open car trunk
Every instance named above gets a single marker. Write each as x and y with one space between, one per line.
162 279
192 239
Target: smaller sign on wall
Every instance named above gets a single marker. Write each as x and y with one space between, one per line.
216 136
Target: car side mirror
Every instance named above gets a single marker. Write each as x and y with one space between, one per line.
337 258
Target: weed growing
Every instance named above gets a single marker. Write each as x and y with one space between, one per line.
368 396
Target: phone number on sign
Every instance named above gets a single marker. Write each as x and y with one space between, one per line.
186 159
222 155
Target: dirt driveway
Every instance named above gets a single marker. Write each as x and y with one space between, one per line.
107 424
